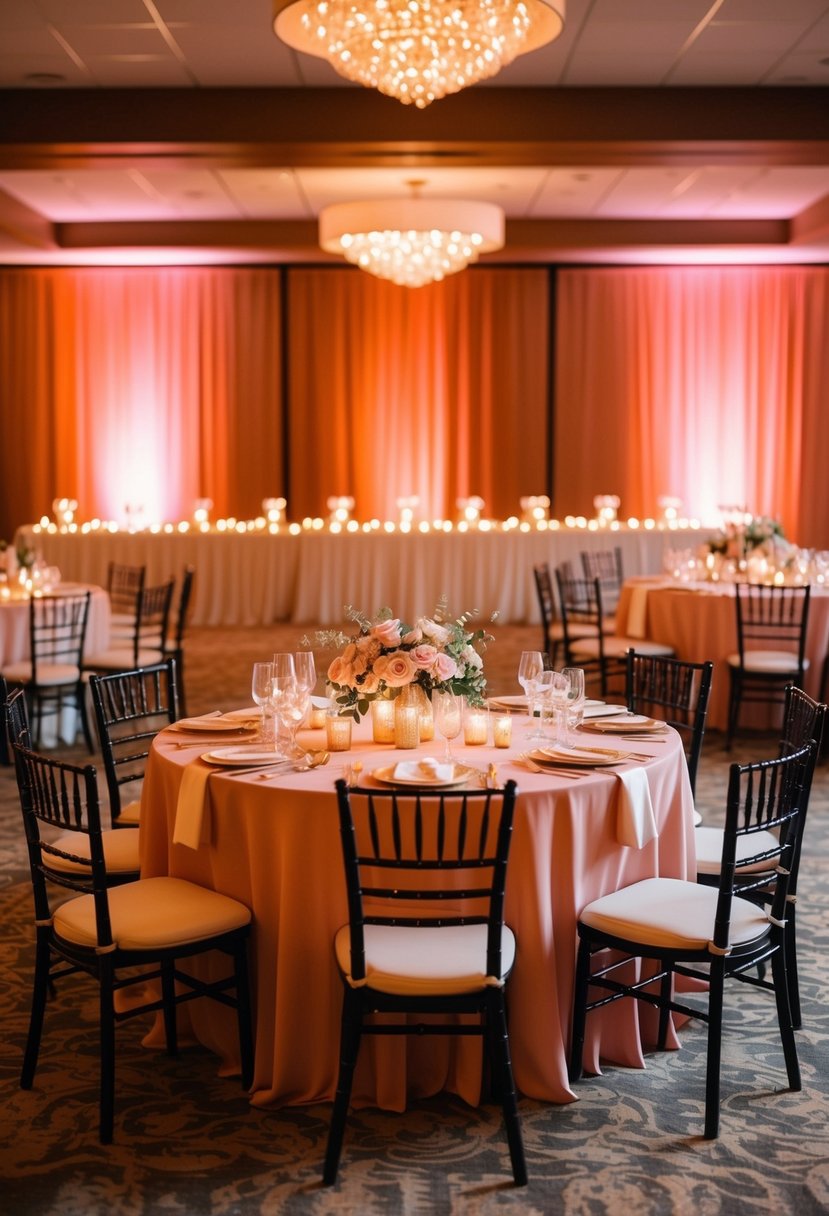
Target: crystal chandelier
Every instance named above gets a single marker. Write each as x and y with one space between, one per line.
411 241
418 50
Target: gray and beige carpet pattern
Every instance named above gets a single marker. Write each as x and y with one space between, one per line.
187 1142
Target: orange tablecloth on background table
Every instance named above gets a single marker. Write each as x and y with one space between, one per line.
700 622
275 845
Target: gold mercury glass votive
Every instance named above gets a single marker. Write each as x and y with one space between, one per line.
474 727
502 730
406 726
337 733
382 721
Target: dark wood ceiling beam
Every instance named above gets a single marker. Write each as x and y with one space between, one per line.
20 226
811 227
86 128
544 237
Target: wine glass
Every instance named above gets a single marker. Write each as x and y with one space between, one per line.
530 668
306 672
294 701
552 687
447 708
283 682
261 691
574 708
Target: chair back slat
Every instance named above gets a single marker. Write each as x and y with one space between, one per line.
124 586
767 796
131 707
443 849
673 689
57 630
775 617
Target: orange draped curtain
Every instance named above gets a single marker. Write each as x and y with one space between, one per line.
146 388
705 384
437 393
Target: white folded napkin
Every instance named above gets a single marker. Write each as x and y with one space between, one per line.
427 769
635 821
192 825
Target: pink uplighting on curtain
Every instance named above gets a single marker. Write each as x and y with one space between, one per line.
707 384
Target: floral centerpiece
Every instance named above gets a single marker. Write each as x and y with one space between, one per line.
754 532
387 655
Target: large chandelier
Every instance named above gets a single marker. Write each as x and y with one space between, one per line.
418 50
411 241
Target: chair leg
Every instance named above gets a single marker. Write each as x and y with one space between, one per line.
350 1035
80 698
784 1018
40 989
735 696
579 1010
243 1017
107 1048
791 967
498 1038
168 997
665 991
712 1079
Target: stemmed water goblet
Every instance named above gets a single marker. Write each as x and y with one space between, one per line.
305 669
574 710
447 708
530 668
262 691
283 684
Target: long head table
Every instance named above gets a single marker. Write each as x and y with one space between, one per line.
274 844
255 578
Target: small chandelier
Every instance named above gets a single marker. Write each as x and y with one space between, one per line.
411 241
418 50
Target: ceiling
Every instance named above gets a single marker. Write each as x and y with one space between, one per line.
171 131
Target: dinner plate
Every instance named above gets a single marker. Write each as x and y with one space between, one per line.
599 709
576 757
388 776
208 724
636 723
252 714
512 703
241 756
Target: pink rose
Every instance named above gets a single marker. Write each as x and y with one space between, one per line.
445 667
387 632
423 656
395 669
412 637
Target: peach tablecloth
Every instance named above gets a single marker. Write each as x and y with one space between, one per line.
699 621
274 844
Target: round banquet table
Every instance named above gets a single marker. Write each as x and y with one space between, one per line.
14 622
274 844
699 620
14 642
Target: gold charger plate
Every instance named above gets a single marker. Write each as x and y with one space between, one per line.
635 724
575 757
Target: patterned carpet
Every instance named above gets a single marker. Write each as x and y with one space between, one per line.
188 1142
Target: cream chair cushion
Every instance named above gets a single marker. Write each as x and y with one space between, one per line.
152 914
131 813
775 662
615 647
120 851
670 913
122 660
407 961
47 673
709 841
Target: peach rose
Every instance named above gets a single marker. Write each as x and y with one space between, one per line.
395 669
412 637
341 672
370 684
387 632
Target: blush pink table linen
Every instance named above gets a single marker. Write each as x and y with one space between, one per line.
700 623
274 844
14 623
